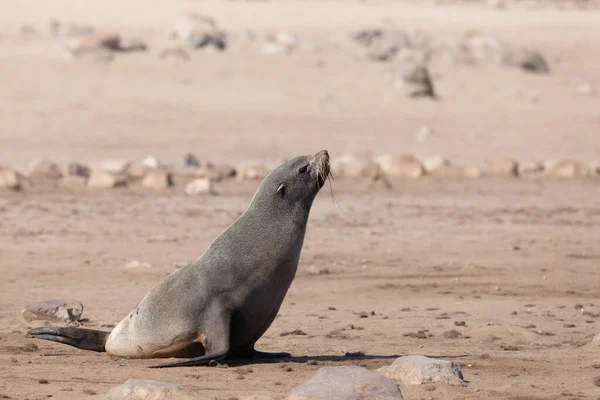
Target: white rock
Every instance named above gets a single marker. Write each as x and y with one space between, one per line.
104 180
138 389
418 370
53 310
199 186
151 162
346 383
431 163
137 264
252 172
157 179
569 169
9 179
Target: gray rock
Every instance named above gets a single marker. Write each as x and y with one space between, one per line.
191 161
53 310
75 169
418 370
346 383
410 72
138 389
528 59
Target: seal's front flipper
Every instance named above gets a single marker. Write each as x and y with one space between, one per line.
87 339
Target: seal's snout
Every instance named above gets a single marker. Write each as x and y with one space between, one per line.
321 160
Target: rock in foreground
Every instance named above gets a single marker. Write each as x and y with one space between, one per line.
418 370
138 389
53 310
346 383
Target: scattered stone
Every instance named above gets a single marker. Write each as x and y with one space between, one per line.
57 28
157 180
457 172
402 166
191 161
75 169
422 334
198 187
73 181
130 45
53 310
9 179
586 89
151 162
175 53
419 370
44 172
295 332
434 163
223 171
528 59
280 42
452 334
385 45
349 165
136 171
253 172
104 180
505 166
346 383
411 74
569 169
314 270
596 339
138 389
460 323
137 264
531 168
79 44
198 31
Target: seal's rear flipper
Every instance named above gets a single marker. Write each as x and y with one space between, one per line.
87 339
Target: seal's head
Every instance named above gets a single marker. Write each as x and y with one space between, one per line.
295 182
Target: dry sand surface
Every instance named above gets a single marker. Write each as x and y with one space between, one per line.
498 275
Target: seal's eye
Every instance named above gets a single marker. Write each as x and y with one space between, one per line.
281 190
303 169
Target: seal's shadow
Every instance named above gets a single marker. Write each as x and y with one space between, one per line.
237 362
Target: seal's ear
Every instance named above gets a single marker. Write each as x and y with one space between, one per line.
281 190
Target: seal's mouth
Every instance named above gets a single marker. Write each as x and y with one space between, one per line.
321 160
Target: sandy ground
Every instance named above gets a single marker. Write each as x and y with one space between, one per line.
516 260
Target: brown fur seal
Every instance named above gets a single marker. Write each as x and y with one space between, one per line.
218 306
